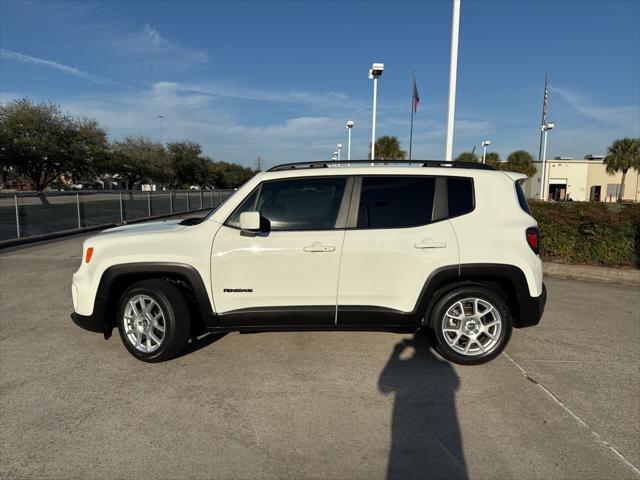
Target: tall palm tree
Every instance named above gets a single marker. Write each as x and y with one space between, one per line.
520 161
388 148
622 155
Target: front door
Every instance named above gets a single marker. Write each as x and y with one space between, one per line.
288 274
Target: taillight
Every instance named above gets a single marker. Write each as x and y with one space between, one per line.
88 255
533 239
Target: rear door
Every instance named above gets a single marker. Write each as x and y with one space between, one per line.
397 235
288 274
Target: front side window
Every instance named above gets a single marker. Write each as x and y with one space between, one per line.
395 202
296 204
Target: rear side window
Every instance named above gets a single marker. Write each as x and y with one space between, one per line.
522 198
395 202
459 196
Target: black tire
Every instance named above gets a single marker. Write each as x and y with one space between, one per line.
449 300
175 310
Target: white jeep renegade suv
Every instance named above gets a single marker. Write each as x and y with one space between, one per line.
450 249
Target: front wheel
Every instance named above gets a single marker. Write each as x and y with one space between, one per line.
153 320
470 325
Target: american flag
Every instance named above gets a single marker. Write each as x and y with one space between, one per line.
416 97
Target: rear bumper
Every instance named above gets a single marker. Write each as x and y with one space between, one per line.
531 309
88 322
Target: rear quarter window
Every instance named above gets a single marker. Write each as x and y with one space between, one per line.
522 198
460 196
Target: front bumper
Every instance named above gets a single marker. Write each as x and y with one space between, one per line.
89 322
531 309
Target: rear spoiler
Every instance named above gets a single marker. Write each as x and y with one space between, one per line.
516 177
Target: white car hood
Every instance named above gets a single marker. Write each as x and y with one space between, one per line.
141 228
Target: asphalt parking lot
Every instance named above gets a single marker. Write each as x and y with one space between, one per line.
563 402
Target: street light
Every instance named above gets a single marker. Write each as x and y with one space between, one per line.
161 117
349 127
339 150
335 156
485 144
545 128
374 73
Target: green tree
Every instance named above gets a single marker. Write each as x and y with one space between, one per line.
622 155
139 159
493 159
520 161
189 168
41 143
467 157
388 148
228 175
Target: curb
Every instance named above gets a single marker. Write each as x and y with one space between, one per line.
592 274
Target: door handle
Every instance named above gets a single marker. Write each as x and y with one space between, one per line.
427 243
319 247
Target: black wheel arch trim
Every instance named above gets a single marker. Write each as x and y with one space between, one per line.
525 309
103 306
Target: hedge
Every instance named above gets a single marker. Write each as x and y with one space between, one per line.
589 233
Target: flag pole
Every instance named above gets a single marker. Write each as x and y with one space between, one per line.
544 116
413 100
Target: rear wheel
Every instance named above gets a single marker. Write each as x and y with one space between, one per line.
470 325
153 320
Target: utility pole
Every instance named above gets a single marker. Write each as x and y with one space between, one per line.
258 163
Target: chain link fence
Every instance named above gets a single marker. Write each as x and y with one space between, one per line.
25 214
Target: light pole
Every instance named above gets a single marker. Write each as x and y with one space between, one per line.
349 127
545 128
161 139
485 144
453 72
374 73
339 146
335 156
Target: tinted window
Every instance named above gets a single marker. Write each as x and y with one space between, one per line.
522 198
395 202
459 196
301 204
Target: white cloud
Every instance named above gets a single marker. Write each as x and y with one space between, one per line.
311 132
20 57
624 116
157 49
320 100
73 71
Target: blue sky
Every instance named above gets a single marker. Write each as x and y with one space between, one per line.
282 78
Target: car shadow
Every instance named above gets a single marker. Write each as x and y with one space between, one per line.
425 435
201 341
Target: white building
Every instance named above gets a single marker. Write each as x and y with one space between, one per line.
582 180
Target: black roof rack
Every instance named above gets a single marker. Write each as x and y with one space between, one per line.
422 163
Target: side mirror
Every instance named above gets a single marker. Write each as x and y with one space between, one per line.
250 222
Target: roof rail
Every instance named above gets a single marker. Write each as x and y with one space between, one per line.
421 163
